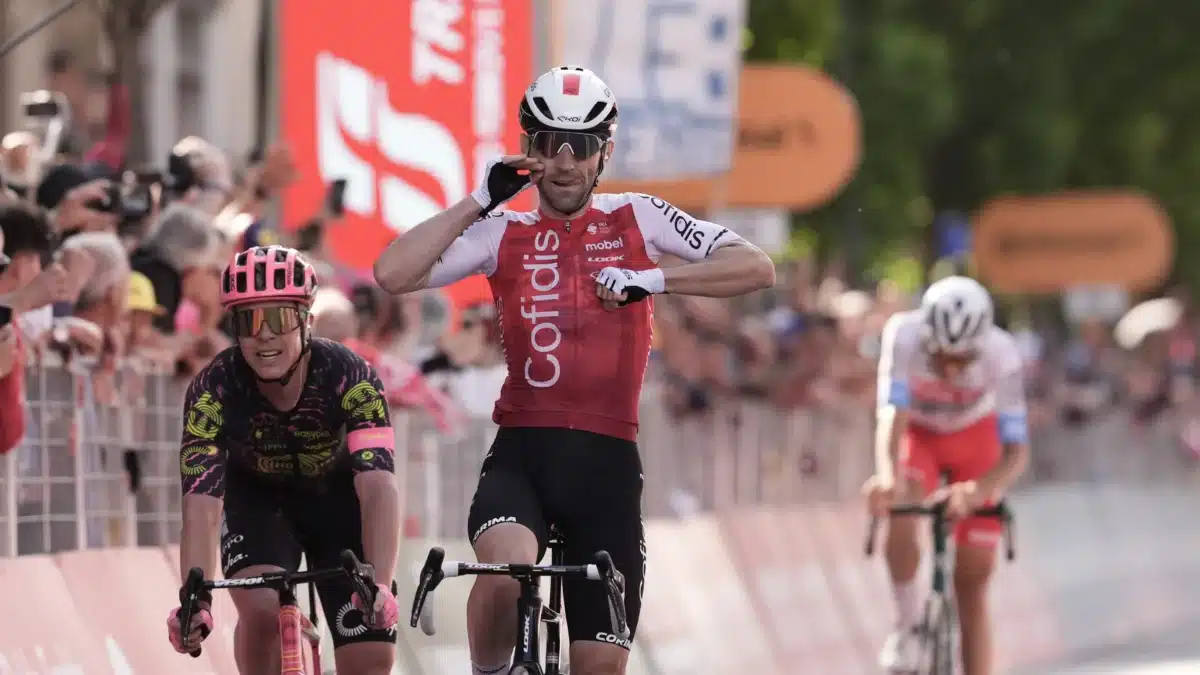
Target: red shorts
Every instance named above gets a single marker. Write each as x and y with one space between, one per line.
966 454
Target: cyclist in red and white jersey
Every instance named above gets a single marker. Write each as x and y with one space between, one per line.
951 400
566 279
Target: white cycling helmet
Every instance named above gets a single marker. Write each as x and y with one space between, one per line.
569 98
957 314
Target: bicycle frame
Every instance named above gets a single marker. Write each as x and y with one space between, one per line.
294 627
939 619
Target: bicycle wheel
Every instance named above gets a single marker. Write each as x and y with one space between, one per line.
939 658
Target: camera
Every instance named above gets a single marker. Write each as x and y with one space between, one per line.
132 202
42 106
48 115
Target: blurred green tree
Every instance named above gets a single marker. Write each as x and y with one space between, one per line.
965 101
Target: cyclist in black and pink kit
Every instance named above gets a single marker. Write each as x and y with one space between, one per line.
566 279
289 436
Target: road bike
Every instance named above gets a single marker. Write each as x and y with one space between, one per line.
294 627
531 612
939 622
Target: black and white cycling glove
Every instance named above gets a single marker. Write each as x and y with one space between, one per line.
636 286
501 183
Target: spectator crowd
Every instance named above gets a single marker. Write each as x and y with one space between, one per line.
111 263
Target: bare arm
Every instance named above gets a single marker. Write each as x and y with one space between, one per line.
371 441
732 270
890 424
892 400
379 501
200 539
406 264
1012 464
1012 420
202 465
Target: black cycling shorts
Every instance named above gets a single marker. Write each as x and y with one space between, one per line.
272 525
589 487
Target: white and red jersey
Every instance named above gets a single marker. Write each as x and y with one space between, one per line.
572 363
993 384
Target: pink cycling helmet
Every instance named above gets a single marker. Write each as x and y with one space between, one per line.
266 274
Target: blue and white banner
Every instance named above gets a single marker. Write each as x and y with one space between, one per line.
673 66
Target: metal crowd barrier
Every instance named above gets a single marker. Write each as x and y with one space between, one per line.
93 438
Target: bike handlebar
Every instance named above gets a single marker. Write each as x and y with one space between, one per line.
602 569
197 589
999 511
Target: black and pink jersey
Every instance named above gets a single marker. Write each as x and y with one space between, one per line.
340 424
572 363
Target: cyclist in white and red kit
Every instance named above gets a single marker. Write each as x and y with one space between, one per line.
951 401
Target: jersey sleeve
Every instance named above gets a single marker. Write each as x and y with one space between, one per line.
473 252
1011 412
667 229
202 457
892 387
369 435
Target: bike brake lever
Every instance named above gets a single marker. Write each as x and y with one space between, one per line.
362 579
431 576
614 589
189 599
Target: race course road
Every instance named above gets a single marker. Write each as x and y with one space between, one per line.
1176 652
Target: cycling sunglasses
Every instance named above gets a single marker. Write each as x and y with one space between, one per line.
550 143
249 322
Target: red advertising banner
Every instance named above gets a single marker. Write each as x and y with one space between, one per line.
407 101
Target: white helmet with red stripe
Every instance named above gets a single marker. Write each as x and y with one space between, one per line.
569 98
957 313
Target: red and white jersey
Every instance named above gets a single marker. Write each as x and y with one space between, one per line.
993 384
572 363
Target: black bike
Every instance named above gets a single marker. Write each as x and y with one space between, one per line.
293 624
940 620
530 610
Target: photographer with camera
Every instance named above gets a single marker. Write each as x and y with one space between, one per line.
78 200
198 174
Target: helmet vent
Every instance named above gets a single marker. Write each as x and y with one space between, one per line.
543 106
241 282
280 278
260 278
595 111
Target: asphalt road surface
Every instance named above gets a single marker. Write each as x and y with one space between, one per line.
1173 653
